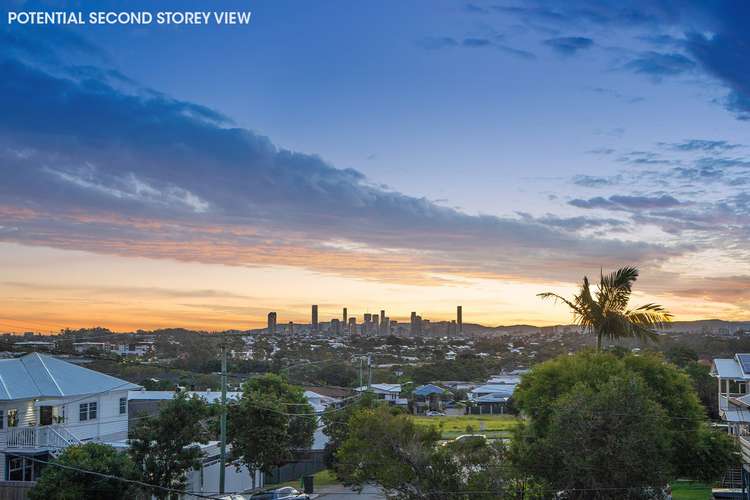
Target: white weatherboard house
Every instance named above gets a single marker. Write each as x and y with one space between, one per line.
47 404
733 377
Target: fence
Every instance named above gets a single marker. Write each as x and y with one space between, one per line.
15 490
309 463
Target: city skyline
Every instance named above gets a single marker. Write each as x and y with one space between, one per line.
409 154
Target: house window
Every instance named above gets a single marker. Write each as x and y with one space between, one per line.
87 411
123 406
20 469
13 418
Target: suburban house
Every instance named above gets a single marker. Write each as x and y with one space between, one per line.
429 397
47 404
493 396
387 392
733 376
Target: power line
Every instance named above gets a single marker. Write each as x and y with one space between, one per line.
116 478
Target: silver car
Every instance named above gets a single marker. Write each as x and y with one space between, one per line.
285 493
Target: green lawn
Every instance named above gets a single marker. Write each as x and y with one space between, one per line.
490 425
690 490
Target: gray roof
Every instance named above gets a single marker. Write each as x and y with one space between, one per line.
728 368
39 375
207 396
491 388
496 397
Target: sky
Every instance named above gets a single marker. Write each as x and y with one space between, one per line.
405 155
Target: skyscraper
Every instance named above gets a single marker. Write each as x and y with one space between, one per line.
290 328
352 325
460 319
336 326
345 319
272 322
315 317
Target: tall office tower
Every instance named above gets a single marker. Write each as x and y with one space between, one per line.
368 317
382 316
346 321
375 324
460 319
290 328
352 325
315 317
413 324
336 326
272 322
385 326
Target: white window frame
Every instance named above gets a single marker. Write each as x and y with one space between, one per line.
88 411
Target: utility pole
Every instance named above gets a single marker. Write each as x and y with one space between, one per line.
369 371
223 422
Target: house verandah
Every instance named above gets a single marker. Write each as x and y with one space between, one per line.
48 404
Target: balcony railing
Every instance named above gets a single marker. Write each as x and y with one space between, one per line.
46 436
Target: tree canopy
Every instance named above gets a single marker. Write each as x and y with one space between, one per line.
58 482
269 422
596 419
388 448
162 446
606 313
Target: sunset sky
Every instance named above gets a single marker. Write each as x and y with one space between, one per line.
407 155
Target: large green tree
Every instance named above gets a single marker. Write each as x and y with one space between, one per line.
61 481
596 420
336 423
407 461
269 422
605 313
163 447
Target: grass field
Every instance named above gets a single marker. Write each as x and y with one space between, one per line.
493 426
690 490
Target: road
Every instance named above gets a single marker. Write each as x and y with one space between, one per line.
340 492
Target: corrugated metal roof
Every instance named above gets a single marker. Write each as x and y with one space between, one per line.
496 397
728 368
207 396
490 388
426 390
39 375
381 387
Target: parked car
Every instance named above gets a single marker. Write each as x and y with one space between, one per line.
285 493
469 437
435 414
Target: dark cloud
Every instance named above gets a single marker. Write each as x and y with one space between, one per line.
569 45
593 181
712 36
659 65
476 42
139 173
447 42
574 223
627 203
702 145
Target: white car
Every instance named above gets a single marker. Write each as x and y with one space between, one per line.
435 414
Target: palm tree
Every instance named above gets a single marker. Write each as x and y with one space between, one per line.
608 315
